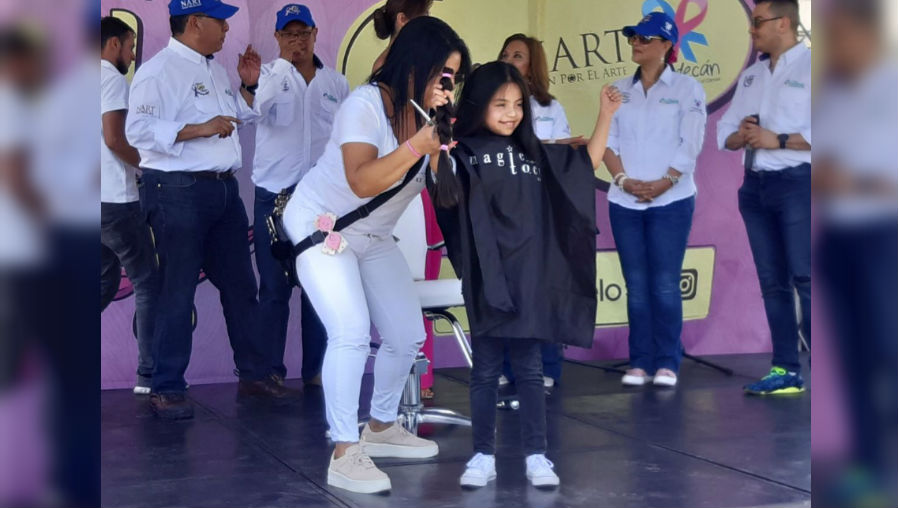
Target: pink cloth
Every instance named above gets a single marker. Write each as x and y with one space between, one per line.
431 272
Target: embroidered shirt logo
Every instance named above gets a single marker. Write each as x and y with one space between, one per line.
665 100
748 81
285 86
330 98
146 109
200 89
794 84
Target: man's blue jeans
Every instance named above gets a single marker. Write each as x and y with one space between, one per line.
200 223
274 301
776 209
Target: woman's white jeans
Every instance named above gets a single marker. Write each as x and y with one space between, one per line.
368 282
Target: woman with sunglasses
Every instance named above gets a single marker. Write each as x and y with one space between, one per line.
655 140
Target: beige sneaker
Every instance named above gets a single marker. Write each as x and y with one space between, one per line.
396 442
355 472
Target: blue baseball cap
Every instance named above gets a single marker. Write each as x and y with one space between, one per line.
656 23
212 8
294 12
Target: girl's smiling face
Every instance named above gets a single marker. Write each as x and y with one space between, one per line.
506 110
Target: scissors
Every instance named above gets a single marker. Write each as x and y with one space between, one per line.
422 112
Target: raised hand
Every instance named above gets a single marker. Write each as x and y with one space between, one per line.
249 66
610 99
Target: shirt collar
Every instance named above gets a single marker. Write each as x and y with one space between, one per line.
107 64
185 52
794 53
666 75
787 57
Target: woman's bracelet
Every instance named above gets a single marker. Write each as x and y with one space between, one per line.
412 149
620 178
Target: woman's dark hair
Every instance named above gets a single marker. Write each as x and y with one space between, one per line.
475 99
416 57
385 17
538 80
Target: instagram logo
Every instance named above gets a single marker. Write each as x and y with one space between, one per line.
688 283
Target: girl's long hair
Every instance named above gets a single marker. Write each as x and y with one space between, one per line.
417 56
475 98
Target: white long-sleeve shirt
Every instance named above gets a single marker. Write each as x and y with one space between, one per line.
295 121
177 87
781 98
657 131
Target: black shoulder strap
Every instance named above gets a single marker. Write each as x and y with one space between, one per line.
360 212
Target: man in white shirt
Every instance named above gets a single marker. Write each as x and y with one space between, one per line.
775 198
182 118
124 232
297 100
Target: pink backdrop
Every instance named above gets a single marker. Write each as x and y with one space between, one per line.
736 323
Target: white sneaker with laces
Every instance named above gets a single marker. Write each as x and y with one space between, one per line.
548 382
479 471
356 472
503 380
142 390
635 377
665 377
540 471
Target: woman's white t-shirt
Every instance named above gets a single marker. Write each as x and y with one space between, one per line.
360 119
549 122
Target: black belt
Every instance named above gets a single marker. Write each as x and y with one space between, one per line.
205 175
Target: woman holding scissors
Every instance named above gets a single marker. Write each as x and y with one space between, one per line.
358 275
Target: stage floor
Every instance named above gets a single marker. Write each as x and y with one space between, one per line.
704 444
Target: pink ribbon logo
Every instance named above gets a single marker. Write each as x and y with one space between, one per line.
686 27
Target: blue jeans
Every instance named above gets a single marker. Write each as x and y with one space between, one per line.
200 223
274 300
776 208
857 264
126 241
651 245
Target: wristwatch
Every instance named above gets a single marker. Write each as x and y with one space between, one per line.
250 89
671 178
783 138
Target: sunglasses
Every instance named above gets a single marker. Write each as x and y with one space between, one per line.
757 22
642 39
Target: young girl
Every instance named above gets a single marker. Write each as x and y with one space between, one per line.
520 227
551 126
